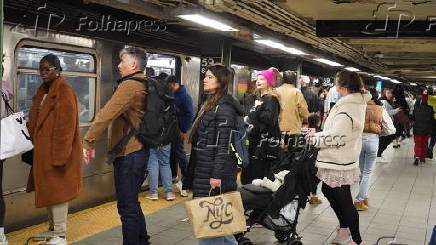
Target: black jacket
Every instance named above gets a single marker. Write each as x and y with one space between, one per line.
265 136
211 156
311 99
423 117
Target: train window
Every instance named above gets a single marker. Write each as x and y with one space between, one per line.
29 57
78 70
162 64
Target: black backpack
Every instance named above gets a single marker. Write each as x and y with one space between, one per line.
159 125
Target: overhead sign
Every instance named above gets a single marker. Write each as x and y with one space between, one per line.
379 28
389 20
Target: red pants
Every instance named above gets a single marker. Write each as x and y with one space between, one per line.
421 143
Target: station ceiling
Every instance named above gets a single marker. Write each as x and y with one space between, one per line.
412 58
295 22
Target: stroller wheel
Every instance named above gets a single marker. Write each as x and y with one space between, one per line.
282 236
295 242
245 241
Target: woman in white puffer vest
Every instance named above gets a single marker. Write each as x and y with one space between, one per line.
338 158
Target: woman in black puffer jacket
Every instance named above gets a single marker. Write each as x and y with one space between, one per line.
264 136
213 165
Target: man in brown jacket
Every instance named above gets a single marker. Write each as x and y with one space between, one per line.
127 103
293 109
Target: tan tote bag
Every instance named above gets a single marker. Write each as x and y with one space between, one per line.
216 216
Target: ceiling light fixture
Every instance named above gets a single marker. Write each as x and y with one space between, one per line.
277 45
413 84
395 81
205 21
328 62
294 51
352 69
271 44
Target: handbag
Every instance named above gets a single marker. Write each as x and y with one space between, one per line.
216 216
15 138
401 118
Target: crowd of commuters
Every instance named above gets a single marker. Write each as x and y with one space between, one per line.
361 123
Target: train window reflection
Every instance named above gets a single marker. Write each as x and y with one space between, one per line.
84 87
29 57
162 64
77 68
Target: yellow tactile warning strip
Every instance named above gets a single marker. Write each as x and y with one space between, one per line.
92 221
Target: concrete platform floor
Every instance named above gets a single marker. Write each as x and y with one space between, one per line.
402 204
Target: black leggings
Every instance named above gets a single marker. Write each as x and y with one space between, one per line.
2 201
383 143
342 203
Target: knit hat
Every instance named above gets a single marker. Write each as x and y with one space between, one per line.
268 75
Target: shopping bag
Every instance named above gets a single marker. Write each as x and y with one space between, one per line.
216 216
15 138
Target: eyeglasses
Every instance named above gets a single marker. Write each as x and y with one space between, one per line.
47 69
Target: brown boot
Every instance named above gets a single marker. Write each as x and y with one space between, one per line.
315 200
360 206
366 202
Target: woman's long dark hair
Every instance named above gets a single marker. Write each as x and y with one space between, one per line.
374 96
224 77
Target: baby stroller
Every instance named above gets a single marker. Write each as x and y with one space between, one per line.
278 211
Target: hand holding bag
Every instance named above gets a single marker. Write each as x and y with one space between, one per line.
15 138
216 216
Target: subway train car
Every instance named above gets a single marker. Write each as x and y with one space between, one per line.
90 65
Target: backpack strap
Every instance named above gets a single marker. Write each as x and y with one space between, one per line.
118 148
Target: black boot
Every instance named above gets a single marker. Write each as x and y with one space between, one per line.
416 162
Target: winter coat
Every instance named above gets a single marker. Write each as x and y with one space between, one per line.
264 136
185 109
128 102
373 118
211 154
424 121
293 109
56 175
340 142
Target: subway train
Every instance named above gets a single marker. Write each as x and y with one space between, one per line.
90 65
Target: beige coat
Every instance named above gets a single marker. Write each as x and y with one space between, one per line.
293 109
56 175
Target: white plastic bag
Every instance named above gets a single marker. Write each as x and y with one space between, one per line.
15 138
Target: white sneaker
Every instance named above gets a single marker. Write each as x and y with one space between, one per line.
183 193
57 241
179 187
4 241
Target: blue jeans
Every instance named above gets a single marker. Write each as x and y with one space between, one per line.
179 156
223 240
129 175
367 159
159 162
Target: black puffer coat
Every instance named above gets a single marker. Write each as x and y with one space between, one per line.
265 135
211 156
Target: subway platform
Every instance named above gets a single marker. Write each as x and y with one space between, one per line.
402 204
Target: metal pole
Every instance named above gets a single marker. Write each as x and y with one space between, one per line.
226 53
299 73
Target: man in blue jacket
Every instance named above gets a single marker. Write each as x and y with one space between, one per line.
185 113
